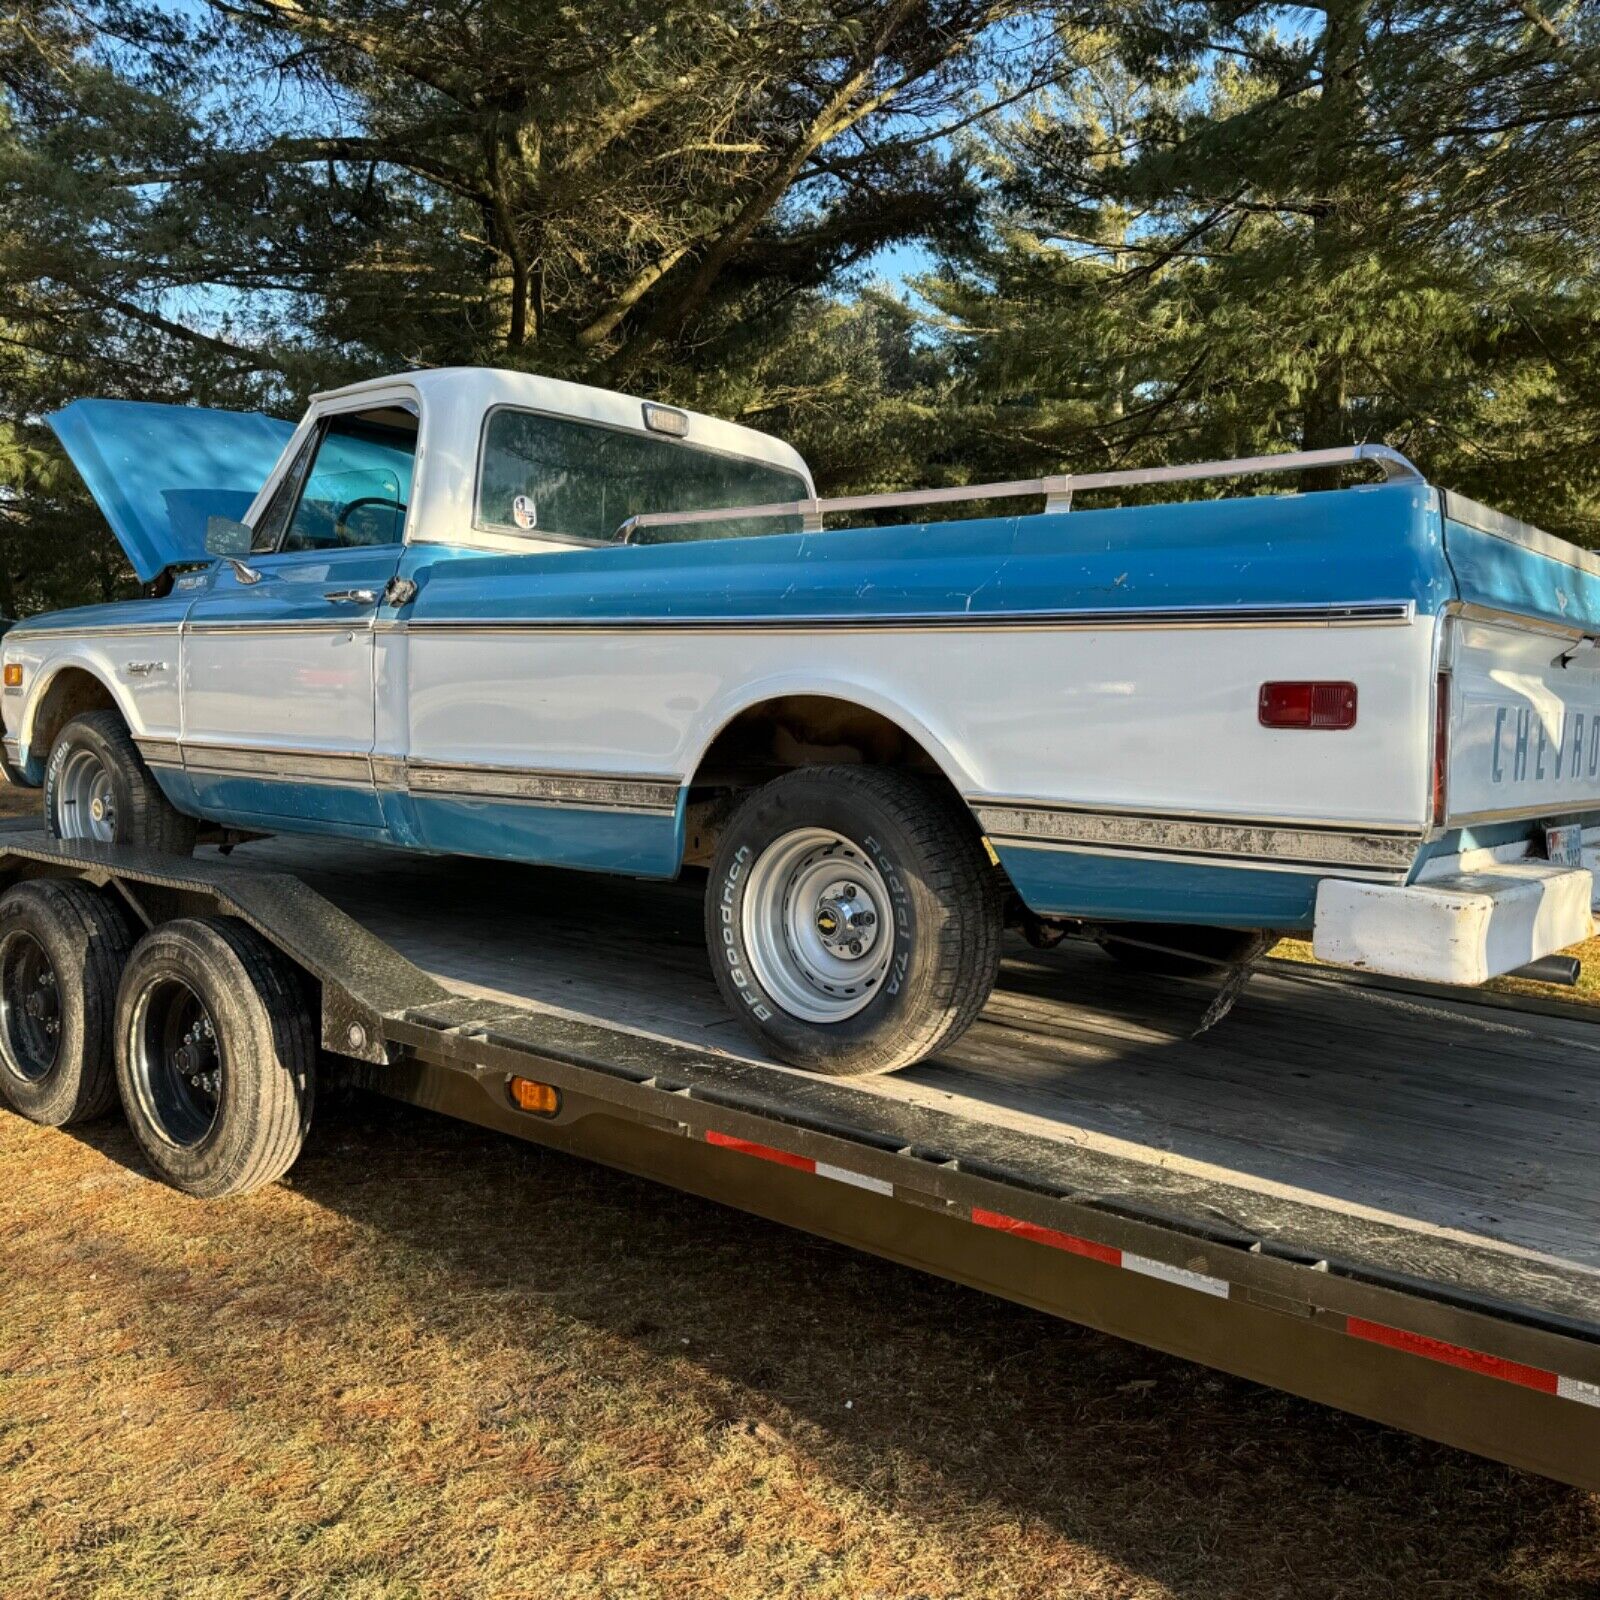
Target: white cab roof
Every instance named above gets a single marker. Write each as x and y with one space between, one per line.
446 390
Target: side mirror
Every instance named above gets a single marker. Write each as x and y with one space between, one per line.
225 537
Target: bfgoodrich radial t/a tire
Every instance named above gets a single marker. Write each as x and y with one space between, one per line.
215 1056
853 918
62 949
98 789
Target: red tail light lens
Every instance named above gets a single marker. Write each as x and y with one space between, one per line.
1308 705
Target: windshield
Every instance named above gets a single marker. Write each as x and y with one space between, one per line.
581 480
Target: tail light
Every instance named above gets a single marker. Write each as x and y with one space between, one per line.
1307 705
1441 746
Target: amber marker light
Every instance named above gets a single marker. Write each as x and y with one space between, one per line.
544 1099
13 674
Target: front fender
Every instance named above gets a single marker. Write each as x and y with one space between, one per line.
49 669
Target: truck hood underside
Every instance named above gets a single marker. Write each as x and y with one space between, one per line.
159 472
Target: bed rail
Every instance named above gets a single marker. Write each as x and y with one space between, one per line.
1057 491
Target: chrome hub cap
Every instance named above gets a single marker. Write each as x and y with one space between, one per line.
30 1008
85 804
818 925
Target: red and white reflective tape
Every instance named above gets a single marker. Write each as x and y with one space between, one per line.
1416 1344
1456 1355
1184 1277
787 1158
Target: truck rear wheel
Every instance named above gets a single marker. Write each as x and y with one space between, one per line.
98 789
853 919
62 949
215 1056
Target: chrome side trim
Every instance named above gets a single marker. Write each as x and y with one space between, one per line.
650 794
1470 611
1485 519
300 766
160 752
356 622
126 630
1221 862
1273 846
1379 613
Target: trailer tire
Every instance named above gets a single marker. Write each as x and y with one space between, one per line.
824 853
63 946
1210 946
216 1056
98 789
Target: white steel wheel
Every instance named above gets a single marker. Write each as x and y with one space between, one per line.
852 918
98 790
819 924
83 801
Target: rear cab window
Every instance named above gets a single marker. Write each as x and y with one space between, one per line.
557 478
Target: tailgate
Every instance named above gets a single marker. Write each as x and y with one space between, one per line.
1524 736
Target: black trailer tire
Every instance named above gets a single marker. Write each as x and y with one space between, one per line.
98 789
779 918
63 946
1209 946
216 1056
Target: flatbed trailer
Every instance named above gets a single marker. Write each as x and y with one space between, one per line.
1386 1199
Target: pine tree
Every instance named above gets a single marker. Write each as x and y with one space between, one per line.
1228 235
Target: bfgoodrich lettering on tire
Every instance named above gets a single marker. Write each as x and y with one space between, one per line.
853 918
98 789
215 1056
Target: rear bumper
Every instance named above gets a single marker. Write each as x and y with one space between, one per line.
1463 929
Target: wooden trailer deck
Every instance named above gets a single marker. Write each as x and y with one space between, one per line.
1445 1141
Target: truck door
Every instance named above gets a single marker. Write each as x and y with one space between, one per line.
277 654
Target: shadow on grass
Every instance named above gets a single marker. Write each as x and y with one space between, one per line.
940 1405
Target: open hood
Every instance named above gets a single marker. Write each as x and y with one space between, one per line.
159 472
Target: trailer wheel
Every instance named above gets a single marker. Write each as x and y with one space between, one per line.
853 918
215 1056
97 788
63 946
1209 946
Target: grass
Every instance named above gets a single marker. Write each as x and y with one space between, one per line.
440 1363
437 1362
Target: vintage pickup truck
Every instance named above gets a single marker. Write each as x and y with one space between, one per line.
487 613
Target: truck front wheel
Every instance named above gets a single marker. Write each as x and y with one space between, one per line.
853 919
98 789
215 1056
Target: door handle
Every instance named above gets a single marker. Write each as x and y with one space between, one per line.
351 597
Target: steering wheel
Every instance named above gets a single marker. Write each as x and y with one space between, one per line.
341 531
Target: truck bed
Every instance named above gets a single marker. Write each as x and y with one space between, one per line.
1407 1137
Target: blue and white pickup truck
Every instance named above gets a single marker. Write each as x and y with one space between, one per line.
487 613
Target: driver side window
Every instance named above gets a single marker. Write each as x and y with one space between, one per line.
358 485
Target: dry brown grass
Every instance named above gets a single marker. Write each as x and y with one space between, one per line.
441 1363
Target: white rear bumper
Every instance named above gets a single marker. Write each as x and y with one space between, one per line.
1463 929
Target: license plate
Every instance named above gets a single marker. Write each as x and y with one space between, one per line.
1564 845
